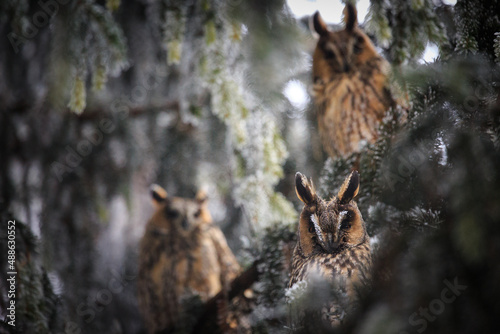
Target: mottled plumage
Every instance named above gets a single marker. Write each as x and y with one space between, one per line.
350 86
332 242
181 254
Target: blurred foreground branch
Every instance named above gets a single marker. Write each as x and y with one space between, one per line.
209 316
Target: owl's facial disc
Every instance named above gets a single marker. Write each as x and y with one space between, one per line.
183 214
326 237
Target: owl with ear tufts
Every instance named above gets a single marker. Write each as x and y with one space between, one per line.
182 254
332 245
350 88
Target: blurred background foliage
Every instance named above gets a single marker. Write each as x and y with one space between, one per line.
99 99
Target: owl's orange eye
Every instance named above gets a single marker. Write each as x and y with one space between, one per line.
197 213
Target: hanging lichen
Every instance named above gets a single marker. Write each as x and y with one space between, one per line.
173 31
113 5
210 32
405 27
259 148
91 40
497 47
78 98
99 78
378 24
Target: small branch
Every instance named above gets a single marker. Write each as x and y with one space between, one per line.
96 113
99 111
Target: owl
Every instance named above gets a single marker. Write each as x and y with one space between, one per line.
332 245
350 89
182 254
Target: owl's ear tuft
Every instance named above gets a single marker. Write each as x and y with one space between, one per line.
349 188
158 194
350 16
319 25
304 189
201 196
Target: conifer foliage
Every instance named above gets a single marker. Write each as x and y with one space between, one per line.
430 182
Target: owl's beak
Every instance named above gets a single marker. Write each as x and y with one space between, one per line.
331 244
184 224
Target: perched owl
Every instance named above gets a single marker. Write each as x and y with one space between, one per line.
349 86
333 244
182 254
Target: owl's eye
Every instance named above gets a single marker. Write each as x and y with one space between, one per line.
358 45
346 224
172 213
197 213
311 228
357 49
329 54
